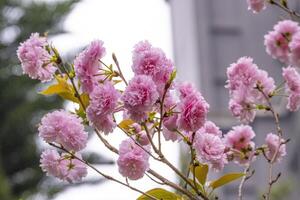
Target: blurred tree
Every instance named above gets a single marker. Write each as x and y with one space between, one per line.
20 174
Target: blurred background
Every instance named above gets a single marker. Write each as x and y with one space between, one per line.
202 37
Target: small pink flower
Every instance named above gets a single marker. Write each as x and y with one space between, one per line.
151 61
193 110
185 89
103 102
76 169
295 50
242 73
256 5
87 65
170 107
242 110
35 59
292 78
210 128
273 143
63 128
170 135
62 166
240 139
142 138
133 161
210 149
277 41
50 163
244 78
139 97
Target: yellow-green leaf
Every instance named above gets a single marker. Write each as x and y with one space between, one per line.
61 88
227 178
160 194
125 124
85 99
201 171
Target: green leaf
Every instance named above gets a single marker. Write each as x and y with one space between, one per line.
227 178
201 172
160 194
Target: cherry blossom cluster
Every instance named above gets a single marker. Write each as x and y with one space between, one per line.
154 105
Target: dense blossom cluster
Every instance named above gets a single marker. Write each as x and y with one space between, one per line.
152 104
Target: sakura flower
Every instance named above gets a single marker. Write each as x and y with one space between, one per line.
63 166
87 65
35 59
256 5
248 86
292 78
273 143
295 49
210 149
63 128
139 97
133 160
277 41
151 61
103 102
239 139
210 128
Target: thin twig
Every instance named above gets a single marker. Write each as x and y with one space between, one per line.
240 195
119 69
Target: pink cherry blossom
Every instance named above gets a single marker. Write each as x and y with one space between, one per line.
256 5
63 128
76 169
292 78
244 78
62 166
170 135
103 102
210 128
273 143
295 50
193 110
277 41
87 65
35 59
240 139
210 149
139 97
185 88
151 61
133 160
